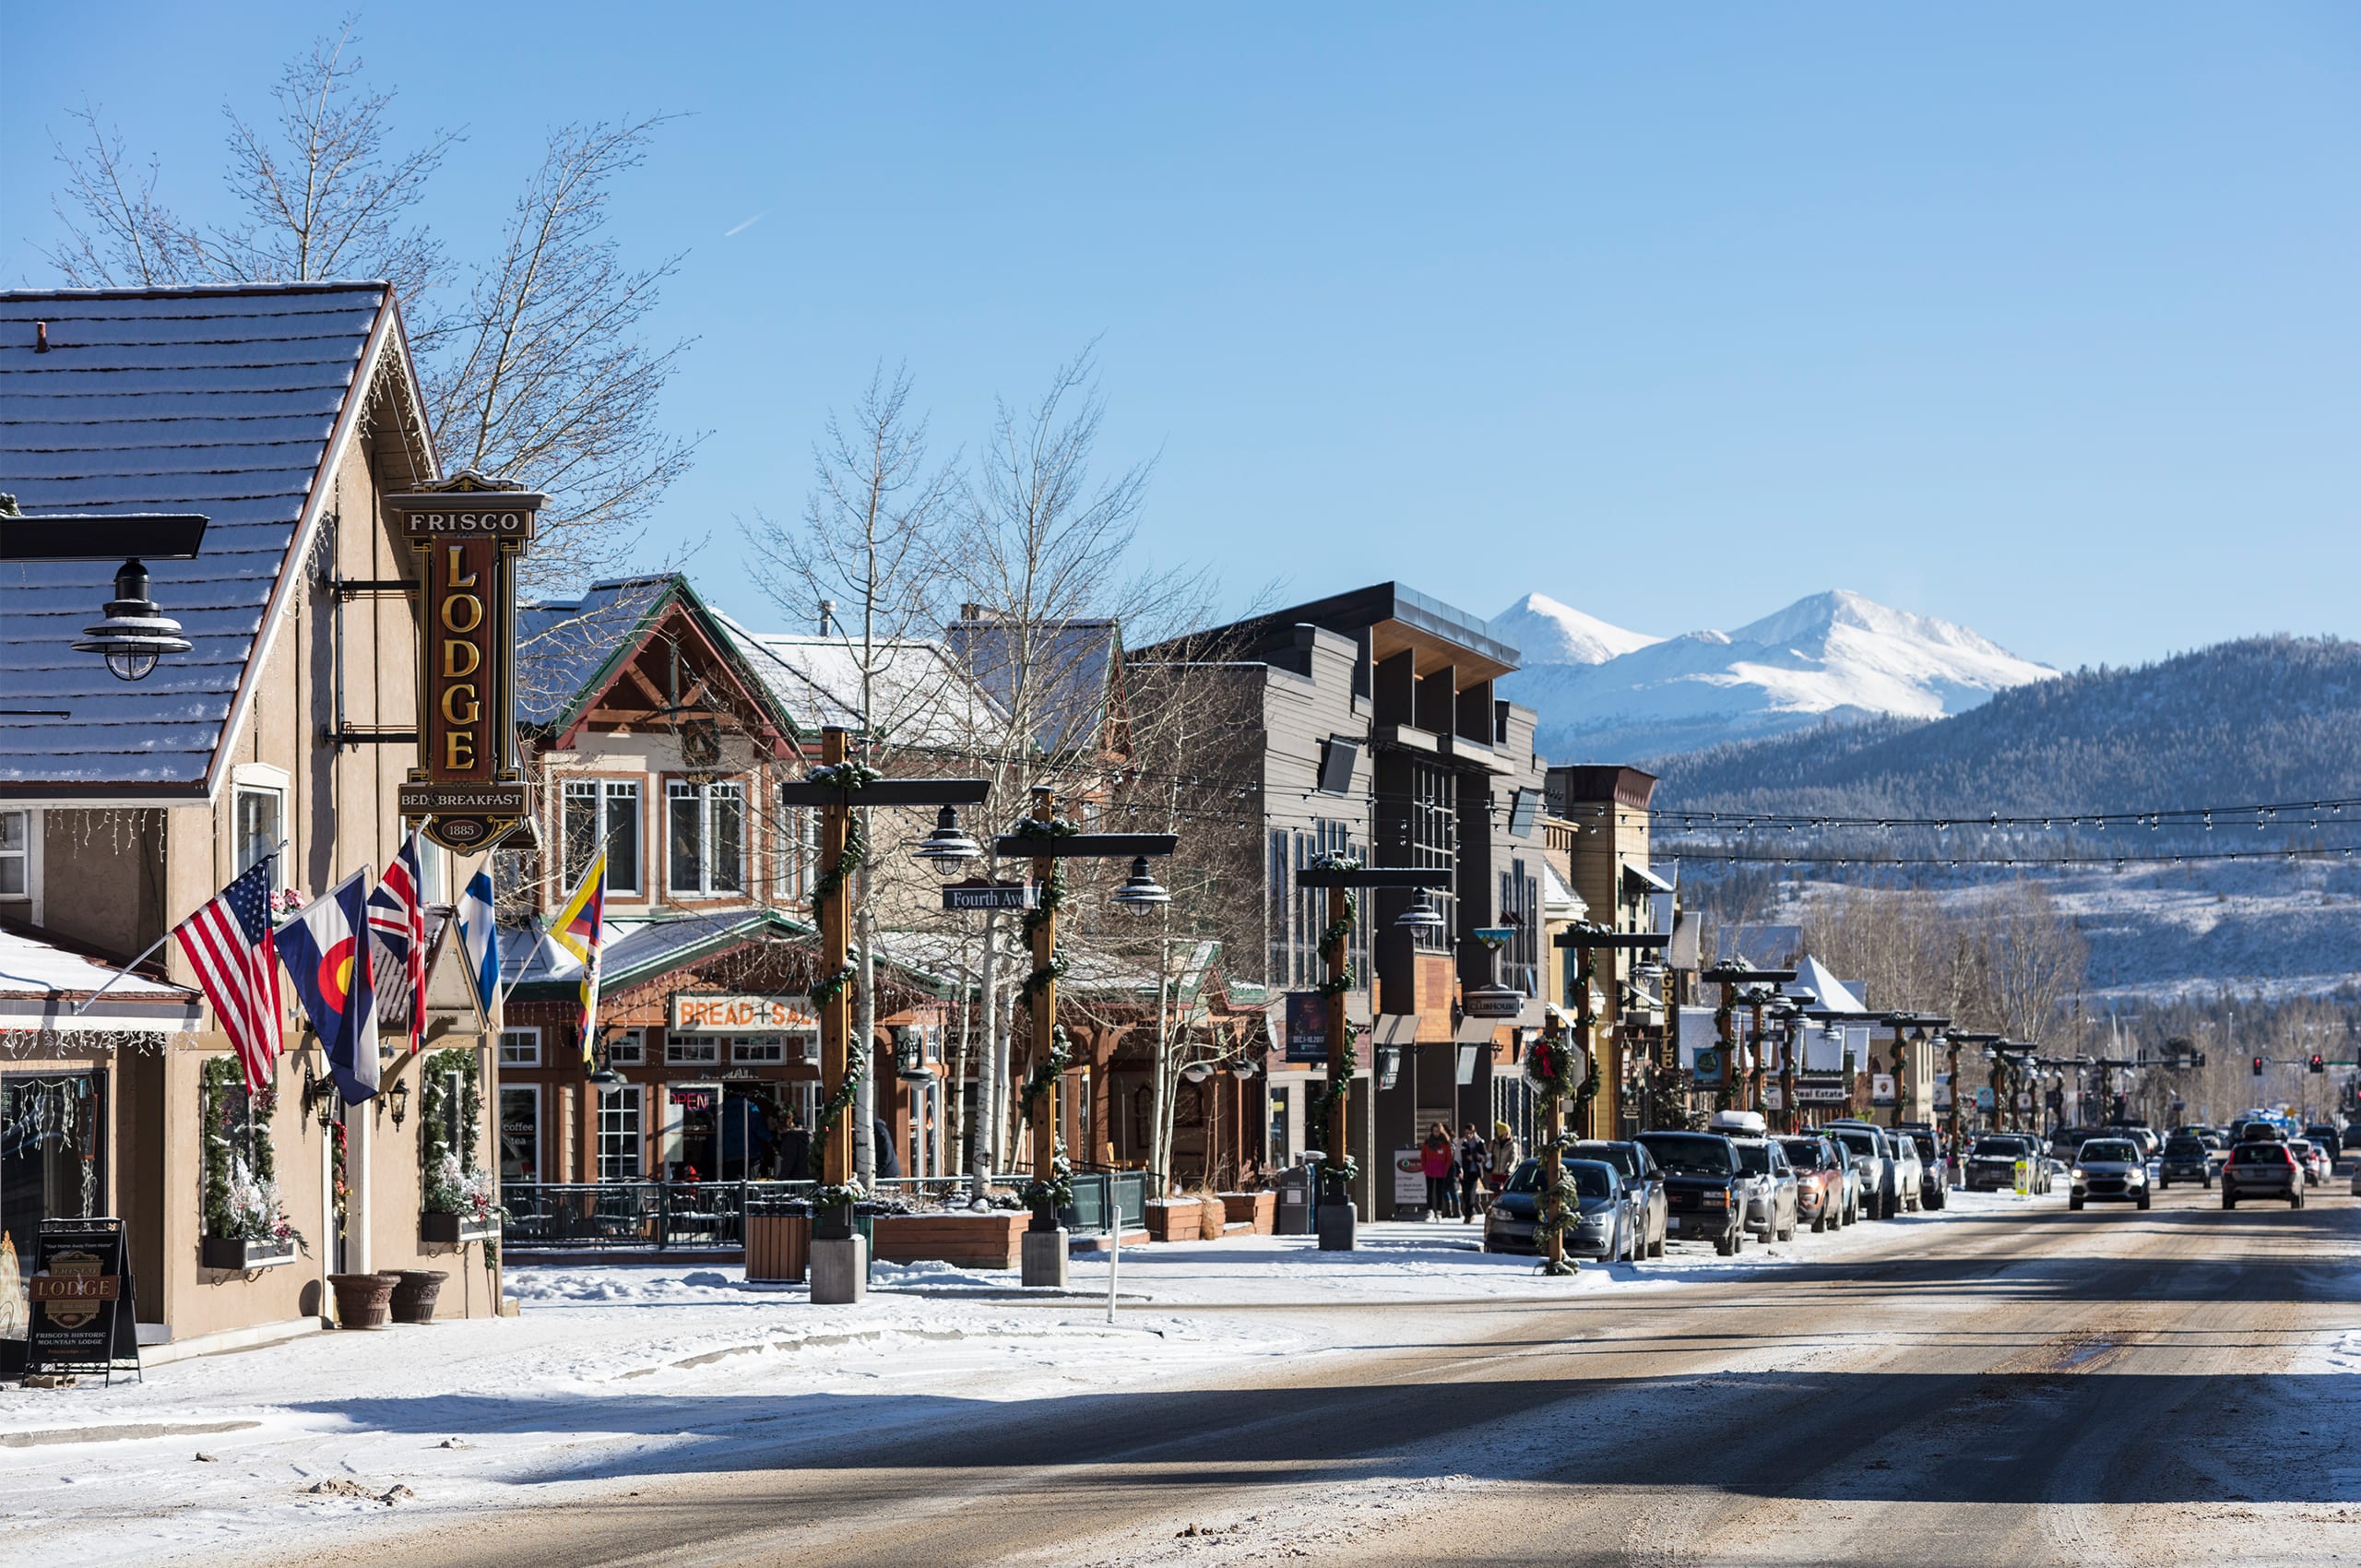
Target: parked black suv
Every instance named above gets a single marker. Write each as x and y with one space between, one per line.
1706 1200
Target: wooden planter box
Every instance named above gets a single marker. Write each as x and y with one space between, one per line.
217 1252
1256 1209
1213 1218
778 1248
1174 1221
456 1229
969 1241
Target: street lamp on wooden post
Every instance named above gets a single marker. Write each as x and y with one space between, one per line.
1045 839
839 1267
1333 1216
1585 939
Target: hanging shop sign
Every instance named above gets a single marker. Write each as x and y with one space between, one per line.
722 1013
962 896
1306 1026
1824 1092
1709 1066
1880 1089
469 531
83 1317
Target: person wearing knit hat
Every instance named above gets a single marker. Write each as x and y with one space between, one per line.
1506 1154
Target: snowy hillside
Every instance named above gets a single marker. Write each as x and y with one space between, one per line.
1547 632
1833 654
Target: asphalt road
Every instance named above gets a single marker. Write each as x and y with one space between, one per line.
2044 1388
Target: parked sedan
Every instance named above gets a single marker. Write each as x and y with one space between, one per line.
1934 1179
1909 1174
1820 1186
2261 1167
1602 1229
1771 1207
1704 1187
1879 1163
2113 1170
1643 1183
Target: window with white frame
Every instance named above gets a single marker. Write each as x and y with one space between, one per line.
799 851
759 1051
628 1048
704 838
520 1047
15 854
691 1051
256 827
520 1131
619 1136
603 811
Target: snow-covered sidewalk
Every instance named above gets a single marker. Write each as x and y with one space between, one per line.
617 1371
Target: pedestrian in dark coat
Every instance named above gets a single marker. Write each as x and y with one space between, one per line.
791 1155
1475 1158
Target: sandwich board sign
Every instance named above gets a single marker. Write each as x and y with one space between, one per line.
83 1316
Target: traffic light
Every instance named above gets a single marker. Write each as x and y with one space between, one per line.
2257 1066
2319 1063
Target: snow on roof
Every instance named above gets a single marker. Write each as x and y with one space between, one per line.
40 984
1821 981
919 694
1071 663
221 401
563 644
1560 902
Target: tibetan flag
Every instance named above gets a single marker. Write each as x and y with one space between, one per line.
576 927
397 926
326 949
479 941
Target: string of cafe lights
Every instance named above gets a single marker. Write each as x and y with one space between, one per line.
1709 856
2262 814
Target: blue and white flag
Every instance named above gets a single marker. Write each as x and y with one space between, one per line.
479 941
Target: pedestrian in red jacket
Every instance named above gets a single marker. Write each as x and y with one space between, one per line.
1435 1161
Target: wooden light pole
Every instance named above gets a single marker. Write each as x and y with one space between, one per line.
1333 1216
1586 940
839 1258
1043 838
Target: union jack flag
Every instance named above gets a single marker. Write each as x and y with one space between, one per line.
228 943
398 921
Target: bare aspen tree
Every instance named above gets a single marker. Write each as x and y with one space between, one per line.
868 543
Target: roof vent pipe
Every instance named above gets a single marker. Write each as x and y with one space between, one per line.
827 617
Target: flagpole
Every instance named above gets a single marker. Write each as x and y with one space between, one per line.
124 973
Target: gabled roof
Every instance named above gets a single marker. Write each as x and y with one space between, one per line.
1072 664
233 402
634 951
572 651
920 695
1821 981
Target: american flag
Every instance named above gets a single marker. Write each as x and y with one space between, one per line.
398 920
229 944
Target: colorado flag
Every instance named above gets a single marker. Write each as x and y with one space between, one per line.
326 949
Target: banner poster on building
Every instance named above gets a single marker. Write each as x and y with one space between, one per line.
1709 1066
1880 1089
469 533
1411 1177
1942 1091
83 1316
1306 1026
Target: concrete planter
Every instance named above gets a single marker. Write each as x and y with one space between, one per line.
992 1240
237 1256
1175 1220
1257 1209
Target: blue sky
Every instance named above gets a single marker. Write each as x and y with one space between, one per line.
2037 318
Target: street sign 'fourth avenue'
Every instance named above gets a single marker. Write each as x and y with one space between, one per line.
991 896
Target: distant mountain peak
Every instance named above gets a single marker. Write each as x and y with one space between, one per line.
1836 654
1548 631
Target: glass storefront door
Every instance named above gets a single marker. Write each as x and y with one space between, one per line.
49 1166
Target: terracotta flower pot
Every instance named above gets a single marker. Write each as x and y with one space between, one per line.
360 1298
413 1299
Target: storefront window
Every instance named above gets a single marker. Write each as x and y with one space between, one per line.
520 1133
691 1051
619 1134
48 1161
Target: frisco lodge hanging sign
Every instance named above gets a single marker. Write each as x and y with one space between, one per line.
469 531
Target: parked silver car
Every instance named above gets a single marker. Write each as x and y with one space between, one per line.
1643 1185
1771 1204
1874 1157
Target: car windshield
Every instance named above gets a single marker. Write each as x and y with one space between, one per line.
2100 1150
1804 1154
1999 1149
1623 1158
1591 1179
1689 1154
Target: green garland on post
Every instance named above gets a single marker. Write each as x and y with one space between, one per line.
1550 1067
839 1100
445 1174
261 1217
852 778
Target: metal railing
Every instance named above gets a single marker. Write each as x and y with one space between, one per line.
709 1216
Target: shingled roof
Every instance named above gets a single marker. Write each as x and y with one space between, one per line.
235 402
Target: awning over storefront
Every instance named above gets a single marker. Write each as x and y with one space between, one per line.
41 985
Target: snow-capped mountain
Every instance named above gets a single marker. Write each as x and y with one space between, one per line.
1552 633
1832 655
